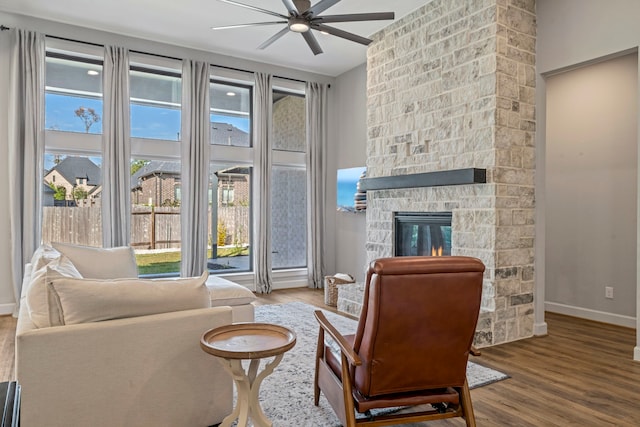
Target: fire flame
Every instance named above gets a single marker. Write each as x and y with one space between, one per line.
436 252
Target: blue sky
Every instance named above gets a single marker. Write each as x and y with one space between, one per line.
146 121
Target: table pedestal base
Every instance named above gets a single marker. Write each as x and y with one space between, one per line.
248 387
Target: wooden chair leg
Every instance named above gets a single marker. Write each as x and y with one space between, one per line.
350 410
319 354
467 407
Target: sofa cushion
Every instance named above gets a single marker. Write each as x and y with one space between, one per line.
43 256
226 292
41 311
101 263
92 300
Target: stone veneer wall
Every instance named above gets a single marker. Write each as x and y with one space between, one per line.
453 86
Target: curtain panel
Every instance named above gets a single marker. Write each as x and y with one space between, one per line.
195 146
116 149
26 150
317 112
262 126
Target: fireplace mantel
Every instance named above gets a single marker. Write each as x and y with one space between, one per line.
427 179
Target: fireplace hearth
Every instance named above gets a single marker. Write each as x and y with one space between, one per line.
422 233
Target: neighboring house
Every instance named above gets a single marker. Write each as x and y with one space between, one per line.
157 184
227 134
81 179
233 186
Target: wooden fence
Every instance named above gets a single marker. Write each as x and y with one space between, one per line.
151 228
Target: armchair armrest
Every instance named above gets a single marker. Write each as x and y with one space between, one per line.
345 348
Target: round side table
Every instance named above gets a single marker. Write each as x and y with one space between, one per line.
232 344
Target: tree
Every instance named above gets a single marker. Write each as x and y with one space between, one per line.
88 116
80 193
60 192
136 165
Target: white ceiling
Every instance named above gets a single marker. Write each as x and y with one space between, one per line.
188 23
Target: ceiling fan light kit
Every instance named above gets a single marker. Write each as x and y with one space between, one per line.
299 25
303 17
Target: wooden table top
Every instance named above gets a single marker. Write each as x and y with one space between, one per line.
248 340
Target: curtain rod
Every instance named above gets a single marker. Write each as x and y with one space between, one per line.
5 28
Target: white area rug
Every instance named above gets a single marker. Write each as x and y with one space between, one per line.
287 394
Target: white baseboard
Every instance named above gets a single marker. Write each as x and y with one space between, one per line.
288 284
585 313
540 329
636 354
7 308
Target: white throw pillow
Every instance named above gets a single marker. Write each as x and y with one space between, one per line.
90 300
43 256
39 307
101 263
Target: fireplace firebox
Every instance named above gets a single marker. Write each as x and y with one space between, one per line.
422 233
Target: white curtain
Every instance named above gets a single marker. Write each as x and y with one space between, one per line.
263 105
116 149
316 99
195 167
26 150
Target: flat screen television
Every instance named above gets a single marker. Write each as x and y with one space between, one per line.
349 198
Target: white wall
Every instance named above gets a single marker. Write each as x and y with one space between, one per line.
591 187
88 35
348 148
572 32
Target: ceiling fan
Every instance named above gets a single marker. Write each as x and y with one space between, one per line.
303 17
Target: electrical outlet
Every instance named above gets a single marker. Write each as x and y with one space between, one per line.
608 292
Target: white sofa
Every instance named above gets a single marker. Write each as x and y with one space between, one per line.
147 370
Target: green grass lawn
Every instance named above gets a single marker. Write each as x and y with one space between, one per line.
169 262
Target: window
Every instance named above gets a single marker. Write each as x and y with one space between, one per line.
71 200
155 216
73 96
227 195
288 217
72 188
288 182
230 212
72 184
289 128
230 114
155 103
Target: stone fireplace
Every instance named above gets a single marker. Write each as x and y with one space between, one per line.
451 87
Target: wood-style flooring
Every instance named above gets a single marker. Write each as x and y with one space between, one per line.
581 374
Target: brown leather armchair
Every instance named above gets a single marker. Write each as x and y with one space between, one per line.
411 346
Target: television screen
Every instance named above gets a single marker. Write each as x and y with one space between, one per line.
349 198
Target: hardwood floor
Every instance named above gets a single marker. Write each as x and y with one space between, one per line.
581 374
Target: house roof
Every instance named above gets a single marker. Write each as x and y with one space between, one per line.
154 167
72 167
230 134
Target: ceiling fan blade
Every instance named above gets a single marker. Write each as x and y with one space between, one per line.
312 42
381 16
320 7
291 7
273 38
340 33
226 27
257 9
